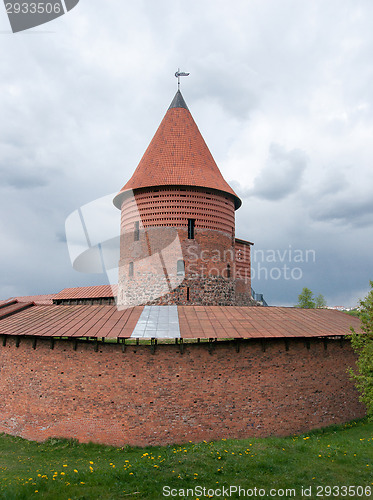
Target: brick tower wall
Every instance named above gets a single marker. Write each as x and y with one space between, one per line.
161 264
243 271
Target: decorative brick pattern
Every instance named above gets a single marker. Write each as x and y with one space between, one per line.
172 206
140 398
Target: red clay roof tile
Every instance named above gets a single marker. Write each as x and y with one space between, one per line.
87 292
37 299
194 321
82 292
177 155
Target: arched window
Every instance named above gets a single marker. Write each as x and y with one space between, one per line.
180 268
130 269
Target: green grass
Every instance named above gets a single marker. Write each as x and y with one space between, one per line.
61 469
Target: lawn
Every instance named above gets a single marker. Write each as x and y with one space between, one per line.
61 469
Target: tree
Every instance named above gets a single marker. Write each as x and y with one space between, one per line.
362 344
305 299
320 302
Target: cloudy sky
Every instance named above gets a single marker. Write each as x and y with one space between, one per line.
280 89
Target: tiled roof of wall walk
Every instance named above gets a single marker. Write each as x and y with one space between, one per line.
6 302
72 321
187 322
8 308
82 292
37 299
177 156
87 292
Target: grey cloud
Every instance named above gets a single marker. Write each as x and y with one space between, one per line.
19 179
237 90
61 237
332 184
357 211
281 176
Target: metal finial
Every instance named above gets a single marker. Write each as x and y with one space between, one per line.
178 74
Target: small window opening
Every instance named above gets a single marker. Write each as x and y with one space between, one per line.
191 225
180 268
188 293
130 270
136 235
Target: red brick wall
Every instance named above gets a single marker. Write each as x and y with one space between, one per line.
217 268
243 271
209 268
141 398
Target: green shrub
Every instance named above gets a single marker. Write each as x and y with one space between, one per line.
363 346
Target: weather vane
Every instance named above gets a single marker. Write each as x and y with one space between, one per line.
178 74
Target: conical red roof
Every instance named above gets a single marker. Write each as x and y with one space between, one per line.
177 156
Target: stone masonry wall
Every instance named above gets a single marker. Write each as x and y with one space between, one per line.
139 398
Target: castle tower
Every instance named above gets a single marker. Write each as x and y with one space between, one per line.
178 223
